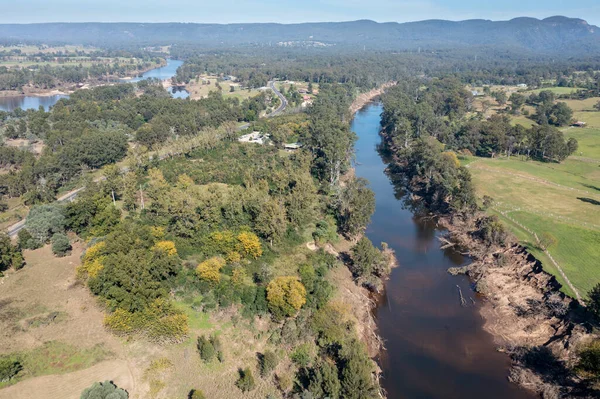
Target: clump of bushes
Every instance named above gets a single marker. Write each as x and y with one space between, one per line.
491 231
210 348
196 394
245 381
589 359
267 362
10 255
9 368
104 390
60 244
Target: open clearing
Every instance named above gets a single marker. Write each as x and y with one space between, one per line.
204 84
560 199
55 326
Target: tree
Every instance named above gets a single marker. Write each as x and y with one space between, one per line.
547 240
589 359
267 361
324 381
245 381
561 114
10 255
500 96
206 349
593 302
597 106
517 101
285 295
26 240
210 268
9 368
271 221
364 257
60 244
357 373
104 390
45 220
356 204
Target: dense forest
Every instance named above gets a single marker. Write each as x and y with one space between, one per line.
554 35
97 127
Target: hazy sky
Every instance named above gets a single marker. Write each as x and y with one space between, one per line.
286 11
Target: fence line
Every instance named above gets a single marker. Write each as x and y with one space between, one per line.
560 270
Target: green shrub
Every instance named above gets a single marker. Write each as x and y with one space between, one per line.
206 349
302 355
26 240
9 368
246 380
268 361
60 244
104 390
196 394
589 359
45 220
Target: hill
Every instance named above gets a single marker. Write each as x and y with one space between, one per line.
555 35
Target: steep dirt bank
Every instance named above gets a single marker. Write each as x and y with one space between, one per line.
530 319
364 98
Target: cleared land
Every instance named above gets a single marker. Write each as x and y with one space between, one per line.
56 326
204 84
560 199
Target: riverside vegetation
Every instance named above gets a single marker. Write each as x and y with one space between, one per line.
217 228
550 337
196 243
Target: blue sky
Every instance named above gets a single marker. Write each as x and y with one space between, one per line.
287 11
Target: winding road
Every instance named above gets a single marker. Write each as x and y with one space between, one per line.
282 99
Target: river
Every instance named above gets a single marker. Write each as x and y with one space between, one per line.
34 102
435 348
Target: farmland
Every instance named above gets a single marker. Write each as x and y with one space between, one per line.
560 199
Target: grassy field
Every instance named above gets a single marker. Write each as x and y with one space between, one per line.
198 89
560 199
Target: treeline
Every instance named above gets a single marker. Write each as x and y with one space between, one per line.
441 110
46 76
368 69
94 128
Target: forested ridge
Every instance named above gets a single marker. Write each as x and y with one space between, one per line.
555 35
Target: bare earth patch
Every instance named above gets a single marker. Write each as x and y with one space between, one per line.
69 386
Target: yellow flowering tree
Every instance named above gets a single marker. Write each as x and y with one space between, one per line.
250 245
92 261
210 268
167 247
286 295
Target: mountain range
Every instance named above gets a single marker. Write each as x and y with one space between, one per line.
554 35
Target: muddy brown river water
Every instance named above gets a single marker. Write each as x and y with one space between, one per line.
435 347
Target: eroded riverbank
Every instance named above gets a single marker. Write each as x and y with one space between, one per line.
428 334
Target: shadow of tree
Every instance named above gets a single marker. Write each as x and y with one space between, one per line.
542 361
589 200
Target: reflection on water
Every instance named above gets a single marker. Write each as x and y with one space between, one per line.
11 103
435 347
177 92
162 73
